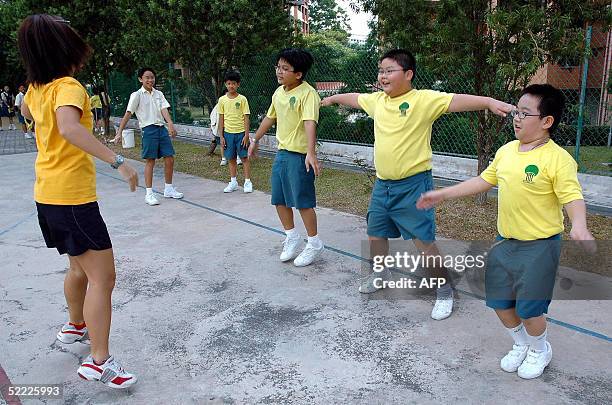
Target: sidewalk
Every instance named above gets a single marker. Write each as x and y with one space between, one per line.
205 313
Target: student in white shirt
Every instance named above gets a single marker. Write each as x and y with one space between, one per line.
151 109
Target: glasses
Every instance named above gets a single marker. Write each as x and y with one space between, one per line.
387 72
521 115
283 69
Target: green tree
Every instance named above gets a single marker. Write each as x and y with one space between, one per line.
208 37
496 47
327 15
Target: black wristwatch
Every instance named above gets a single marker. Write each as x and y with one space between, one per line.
118 162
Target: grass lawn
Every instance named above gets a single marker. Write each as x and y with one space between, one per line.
594 159
460 219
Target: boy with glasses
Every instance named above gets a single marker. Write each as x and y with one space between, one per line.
295 110
536 179
403 118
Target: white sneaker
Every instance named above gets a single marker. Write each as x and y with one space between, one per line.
110 373
443 308
231 186
248 187
172 193
535 363
27 136
511 361
308 255
223 162
238 161
290 246
151 200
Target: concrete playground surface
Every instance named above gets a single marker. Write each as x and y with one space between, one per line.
204 313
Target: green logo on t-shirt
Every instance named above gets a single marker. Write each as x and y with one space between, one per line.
237 105
292 101
530 172
403 108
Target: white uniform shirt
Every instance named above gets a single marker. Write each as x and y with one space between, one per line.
148 106
19 100
214 120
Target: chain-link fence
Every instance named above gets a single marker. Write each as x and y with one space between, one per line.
584 81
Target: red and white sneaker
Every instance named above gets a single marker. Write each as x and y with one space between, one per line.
109 373
71 333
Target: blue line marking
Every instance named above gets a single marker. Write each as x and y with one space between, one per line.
359 258
10 228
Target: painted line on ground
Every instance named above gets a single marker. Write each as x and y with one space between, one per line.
359 258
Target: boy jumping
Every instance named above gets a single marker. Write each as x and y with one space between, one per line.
295 110
403 118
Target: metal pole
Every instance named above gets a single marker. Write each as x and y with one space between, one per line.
171 72
585 72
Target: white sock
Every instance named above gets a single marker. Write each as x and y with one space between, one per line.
149 191
519 334
537 342
247 180
292 233
233 180
168 187
314 241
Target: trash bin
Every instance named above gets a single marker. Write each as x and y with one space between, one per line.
128 139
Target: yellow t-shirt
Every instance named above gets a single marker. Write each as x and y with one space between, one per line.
95 101
402 130
233 110
533 187
65 174
291 109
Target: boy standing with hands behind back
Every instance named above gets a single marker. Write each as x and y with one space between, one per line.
233 130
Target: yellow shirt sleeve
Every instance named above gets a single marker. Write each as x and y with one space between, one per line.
565 183
310 107
72 94
272 111
490 173
221 105
368 102
245 107
437 103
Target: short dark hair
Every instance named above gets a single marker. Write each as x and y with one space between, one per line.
299 59
232 75
552 102
142 71
50 48
403 58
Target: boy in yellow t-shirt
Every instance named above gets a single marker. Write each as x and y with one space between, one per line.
233 130
96 108
536 179
295 110
403 118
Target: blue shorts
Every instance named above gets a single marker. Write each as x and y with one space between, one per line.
292 185
393 213
521 275
20 117
156 142
234 146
